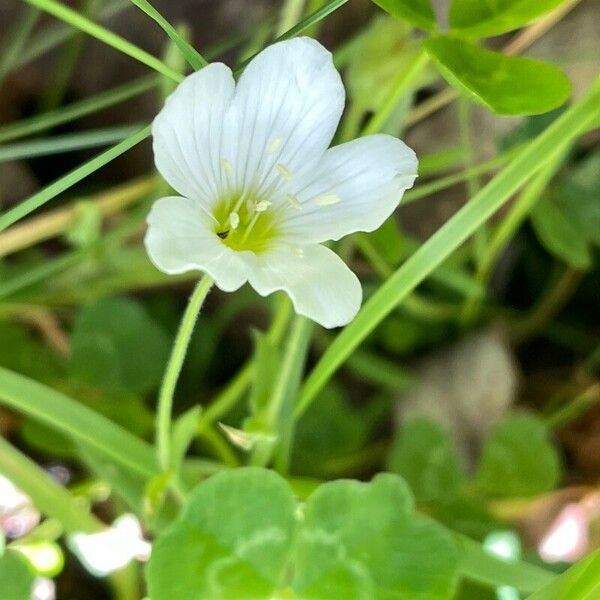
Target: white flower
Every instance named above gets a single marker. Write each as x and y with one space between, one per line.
260 191
111 549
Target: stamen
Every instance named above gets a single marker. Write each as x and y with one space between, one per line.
285 172
234 220
262 206
274 145
294 202
327 200
250 226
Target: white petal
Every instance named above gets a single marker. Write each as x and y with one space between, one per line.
188 134
320 285
181 238
356 187
287 106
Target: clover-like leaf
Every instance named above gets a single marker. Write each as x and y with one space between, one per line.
423 454
243 535
106 350
507 85
567 221
483 19
417 12
16 578
362 540
231 541
518 459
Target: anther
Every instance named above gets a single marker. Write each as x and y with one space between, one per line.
285 172
327 200
262 206
234 220
274 145
294 202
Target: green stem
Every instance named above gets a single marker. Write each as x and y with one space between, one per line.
178 352
401 86
575 408
278 415
51 499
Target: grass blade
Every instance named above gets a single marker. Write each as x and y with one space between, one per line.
69 417
47 495
16 39
104 35
57 33
193 57
79 109
463 224
66 143
302 26
70 179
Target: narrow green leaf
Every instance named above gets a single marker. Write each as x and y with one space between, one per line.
302 26
72 17
508 85
54 34
312 19
433 252
48 496
16 39
64 183
194 58
66 143
76 421
484 19
417 12
479 565
580 582
70 112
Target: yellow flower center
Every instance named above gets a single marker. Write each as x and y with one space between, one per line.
245 224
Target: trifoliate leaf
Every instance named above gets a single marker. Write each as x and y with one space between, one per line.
417 12
507 85
518 459
475 18
16 579
116 346
424 455
243 535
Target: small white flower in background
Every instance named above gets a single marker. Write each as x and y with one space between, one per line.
260 191
17 515
111 549
43 589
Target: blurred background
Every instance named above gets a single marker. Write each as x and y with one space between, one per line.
467 362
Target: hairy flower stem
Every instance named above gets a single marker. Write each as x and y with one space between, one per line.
178 353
